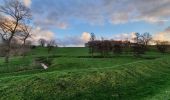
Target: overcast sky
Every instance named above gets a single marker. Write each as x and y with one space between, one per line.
71 21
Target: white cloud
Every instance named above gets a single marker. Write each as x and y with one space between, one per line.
74 41
38 33
27 3
85 36
125 36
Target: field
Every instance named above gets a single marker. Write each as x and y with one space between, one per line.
74 75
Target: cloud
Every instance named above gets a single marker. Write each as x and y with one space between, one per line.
85 36
97 13
163 36
119 18
72 41
62 14
47 24
27 2
125 36
39 33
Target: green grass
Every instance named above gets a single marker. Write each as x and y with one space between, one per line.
72 75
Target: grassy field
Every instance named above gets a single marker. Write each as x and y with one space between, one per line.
74 75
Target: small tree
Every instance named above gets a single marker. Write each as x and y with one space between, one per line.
137 38
42 42
138 47
25 48
105 47
91 44
24 35
117 49
26 32
146 37
50 45
162 46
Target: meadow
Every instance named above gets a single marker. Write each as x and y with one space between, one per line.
74 75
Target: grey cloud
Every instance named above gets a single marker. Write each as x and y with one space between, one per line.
101 11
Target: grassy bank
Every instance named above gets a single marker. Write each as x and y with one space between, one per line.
73 76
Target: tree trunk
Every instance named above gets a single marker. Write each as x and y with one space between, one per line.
23 50
7 52
7 56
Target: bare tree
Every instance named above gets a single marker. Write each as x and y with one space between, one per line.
26 30
13 12
117 49
146 37
91 44
93 37
42 42
25 33
138 49
105 47
138 46
137 39
50 45
162 46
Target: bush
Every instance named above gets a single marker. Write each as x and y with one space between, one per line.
117 49
138 49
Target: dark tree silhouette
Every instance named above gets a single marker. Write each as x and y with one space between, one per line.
105 47
42 42
117 49
162 46
138 47
146 37
51 44
91 44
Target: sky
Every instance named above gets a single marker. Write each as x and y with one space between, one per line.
70 22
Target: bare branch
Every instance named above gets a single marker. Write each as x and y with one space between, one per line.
13 15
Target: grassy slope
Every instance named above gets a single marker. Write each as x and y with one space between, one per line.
120 78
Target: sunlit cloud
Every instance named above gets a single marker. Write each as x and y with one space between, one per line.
37 33
85 36
163 36
27 2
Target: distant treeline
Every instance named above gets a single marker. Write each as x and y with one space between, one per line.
137 48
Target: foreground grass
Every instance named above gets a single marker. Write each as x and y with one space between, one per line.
129 82
73 78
